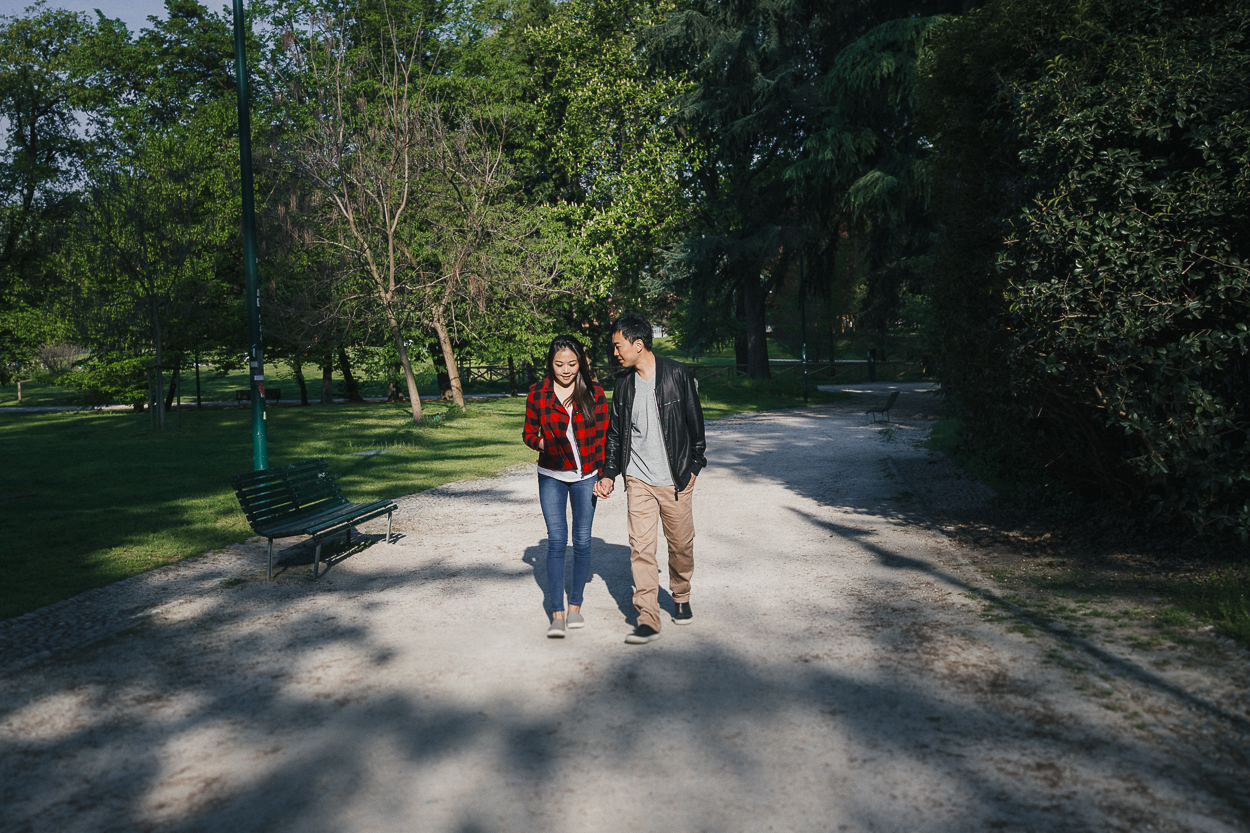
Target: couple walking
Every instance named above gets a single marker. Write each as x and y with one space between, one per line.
653 435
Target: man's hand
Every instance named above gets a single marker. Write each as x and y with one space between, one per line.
604 487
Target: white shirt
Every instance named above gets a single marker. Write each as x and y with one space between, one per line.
575 474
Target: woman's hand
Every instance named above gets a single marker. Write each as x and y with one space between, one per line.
542 444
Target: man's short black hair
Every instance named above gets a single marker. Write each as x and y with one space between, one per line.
634 327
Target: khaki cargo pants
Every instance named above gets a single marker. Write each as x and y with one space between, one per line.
649 506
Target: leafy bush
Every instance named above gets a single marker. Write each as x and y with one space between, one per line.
107 379
1106 336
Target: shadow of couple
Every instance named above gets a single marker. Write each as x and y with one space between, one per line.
610 562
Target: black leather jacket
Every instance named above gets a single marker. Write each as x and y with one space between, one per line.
681 422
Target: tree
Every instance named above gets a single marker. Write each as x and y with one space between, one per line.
865 172
415 195
357 140
145 246
611 164
1093 169
754 114
478 248
41 158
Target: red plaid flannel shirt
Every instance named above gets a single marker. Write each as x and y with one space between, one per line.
546 419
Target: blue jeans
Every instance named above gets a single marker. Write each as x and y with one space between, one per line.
554 495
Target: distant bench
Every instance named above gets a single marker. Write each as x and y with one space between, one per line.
241 396
302 499
883 409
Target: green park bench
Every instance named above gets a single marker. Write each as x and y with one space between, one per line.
302 499
883 409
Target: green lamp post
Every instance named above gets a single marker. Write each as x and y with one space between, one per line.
255 352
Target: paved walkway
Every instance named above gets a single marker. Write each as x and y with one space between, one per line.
838 676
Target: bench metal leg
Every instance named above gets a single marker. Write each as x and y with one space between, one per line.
388 527
317 559
270 559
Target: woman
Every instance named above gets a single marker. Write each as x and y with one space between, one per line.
566 421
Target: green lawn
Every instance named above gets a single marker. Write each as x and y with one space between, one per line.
87 498
851 345
722 398
221 388
854 347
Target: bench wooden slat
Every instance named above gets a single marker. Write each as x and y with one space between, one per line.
294 500
279 511
314 520
330 522
296 484
278 498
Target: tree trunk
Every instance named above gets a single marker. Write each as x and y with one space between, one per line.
297 365
740 334
327 381
833 351
756 334
349 381
173 390
160 382
414 397
511 376
444 341
440 370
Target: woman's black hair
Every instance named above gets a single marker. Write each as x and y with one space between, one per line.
583 390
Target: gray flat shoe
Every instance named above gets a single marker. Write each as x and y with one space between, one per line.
556 631
575 620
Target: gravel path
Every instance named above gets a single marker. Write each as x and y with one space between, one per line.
839 676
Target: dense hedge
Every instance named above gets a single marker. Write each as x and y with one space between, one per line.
1092 295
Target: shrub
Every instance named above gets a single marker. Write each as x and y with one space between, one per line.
111 378
1107 335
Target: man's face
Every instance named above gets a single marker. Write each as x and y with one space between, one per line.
626 351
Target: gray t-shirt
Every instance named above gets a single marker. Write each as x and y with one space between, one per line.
647 459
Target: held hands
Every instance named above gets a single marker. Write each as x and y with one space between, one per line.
603 489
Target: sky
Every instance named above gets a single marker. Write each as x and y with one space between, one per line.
134 12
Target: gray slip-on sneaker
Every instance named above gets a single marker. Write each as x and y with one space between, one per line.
556 631
575 620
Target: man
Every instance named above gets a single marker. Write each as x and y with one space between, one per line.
655 439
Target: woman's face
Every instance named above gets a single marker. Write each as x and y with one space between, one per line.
565 367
